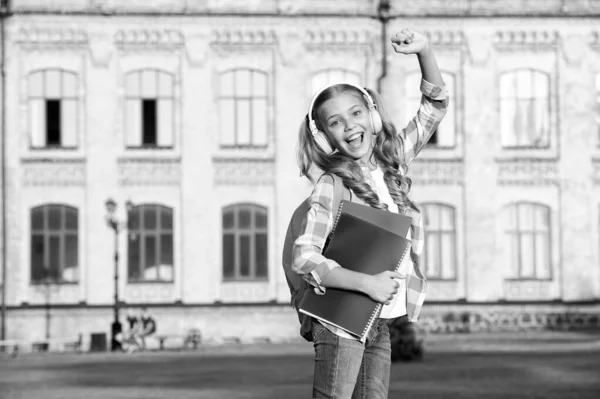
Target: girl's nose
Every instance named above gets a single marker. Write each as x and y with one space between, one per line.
349 125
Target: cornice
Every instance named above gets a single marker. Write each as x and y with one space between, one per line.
525 39
446 38
243 37
51 37
161 38
325 39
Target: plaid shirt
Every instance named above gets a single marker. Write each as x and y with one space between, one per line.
307 253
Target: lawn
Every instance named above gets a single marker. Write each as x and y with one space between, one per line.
183 375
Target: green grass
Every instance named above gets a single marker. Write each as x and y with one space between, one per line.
183 375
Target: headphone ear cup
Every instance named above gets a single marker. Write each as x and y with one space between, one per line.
377 122
323 142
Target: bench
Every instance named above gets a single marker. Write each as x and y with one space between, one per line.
193 338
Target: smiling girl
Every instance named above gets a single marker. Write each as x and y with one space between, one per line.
347 135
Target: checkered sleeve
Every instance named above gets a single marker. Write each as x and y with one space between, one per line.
308 260
434 104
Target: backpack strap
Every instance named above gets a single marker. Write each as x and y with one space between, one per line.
339 192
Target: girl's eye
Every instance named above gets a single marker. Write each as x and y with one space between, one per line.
356 113
334 123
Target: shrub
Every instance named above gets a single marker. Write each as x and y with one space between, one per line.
405 345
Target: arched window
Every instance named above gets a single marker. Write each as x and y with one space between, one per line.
54 244
445 135
53 103
243 112
439 258
330 76
150 243
527 239
149 109
525 108
245 242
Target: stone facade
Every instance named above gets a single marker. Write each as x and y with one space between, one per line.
101 41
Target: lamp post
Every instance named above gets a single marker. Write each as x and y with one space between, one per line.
116 225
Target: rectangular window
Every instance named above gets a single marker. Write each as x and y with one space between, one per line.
149 122
53 123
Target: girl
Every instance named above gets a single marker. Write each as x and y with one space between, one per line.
347 134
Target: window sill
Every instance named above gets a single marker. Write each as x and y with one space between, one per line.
53 282
53 148
245 280
153 282
441 280
150 148
528 279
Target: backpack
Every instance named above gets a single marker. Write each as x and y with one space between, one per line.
298 286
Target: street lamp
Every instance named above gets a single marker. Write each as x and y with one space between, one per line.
116 225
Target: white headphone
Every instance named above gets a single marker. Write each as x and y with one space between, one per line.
321 138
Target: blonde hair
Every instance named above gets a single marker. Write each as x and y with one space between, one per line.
388 146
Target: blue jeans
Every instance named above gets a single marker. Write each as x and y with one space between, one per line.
349 369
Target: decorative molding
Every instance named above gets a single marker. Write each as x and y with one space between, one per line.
37 38
528 290
438 290
153 292
197 49
596 172
53 172
595 40
573 49
164 39
149 171
446 38
442 172
101 51
534 40
233 41
330 39
241 291
528 173
244 172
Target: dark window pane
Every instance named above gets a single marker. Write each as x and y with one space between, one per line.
244 218
52 122
261 254
70 268
71 218
37 257
133 255
149 217
37 218
166 249
261 219
133 218
149 122
228 255
54 217
55 266
228 219
244 255
150 266
166 218
433 139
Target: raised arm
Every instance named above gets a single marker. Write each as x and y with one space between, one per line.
434 102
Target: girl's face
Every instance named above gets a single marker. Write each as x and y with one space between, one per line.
347 123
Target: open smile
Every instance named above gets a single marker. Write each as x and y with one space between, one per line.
356 140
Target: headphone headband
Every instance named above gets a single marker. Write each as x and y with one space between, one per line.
311 122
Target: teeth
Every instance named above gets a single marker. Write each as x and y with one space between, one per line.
354 137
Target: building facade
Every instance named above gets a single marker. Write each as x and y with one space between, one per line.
190 110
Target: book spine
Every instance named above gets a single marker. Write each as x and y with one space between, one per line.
379 305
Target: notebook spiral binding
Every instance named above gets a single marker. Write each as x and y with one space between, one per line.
380 305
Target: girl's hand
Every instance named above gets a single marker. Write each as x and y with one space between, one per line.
382 287
410 42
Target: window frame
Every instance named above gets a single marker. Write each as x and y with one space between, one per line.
534 98
534 232
251 231
45 97
439 232
140 97
313 89
139 233
47 233
251 98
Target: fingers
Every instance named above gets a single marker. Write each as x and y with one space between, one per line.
405 36
399 275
